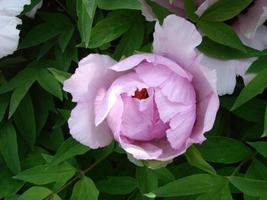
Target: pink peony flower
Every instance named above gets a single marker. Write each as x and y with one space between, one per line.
155 105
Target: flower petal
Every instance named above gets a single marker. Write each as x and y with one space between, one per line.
253 18
182 125
12 7
177 39
92 74
133 61
9 35
83 129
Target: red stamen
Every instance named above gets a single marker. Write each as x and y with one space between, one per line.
142 94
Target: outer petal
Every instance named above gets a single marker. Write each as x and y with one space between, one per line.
177 39
226 71
87 87
132 61
12 7
207 100
9 35
92 74
83 129
253 18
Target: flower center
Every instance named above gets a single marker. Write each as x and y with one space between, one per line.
142 94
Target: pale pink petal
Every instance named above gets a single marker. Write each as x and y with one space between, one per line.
92 74
204 6
142 125
259 39
12 8
167 109
141 150
83 129
253 18
128 83
132 61
226 71
207 98
153 75
9 35
87 86
177 39
182 125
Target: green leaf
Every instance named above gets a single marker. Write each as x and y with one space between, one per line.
65 38
38 35
54 25
108 30
251 187
117 185
119 4
44 174
223 150
17 96
49 83
160 12
85 19
61 76
222 192
9 147
257 170
195 159
217 50
132 40
8 185
190 9
265 123
26 125
221 33
30 73
190 185
261 147
67 150
254 87
85 189
164 175
147 179
224 10
258 65
4 100
37 192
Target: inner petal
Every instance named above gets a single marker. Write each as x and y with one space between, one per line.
140 119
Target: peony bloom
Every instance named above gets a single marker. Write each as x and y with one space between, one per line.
9 34
155 105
